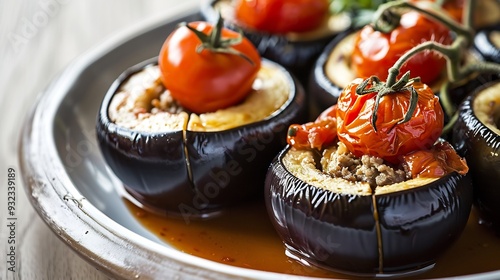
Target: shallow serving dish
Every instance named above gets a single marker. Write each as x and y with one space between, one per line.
73 190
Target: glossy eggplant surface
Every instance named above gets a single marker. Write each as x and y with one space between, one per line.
296 52
196 173
379 234
332 72
477 138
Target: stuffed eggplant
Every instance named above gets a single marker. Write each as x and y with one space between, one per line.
486 13
366 191
292 36
178 151
476 136
487 43
365 52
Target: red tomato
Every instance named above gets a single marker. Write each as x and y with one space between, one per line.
375 52
391 140
281 16
317 134
440 160
206 81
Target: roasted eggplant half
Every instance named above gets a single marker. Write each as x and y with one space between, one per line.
296 51
348 227
476 136
331 71
176 162
486 46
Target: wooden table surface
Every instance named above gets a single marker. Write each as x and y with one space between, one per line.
38 39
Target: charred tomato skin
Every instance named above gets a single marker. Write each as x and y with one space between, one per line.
225 167
481 148
324 92
339 232
297 56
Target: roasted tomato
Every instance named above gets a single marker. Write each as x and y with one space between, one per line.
392 139
188 165
281 16
436 162
375 52
200 76
476 136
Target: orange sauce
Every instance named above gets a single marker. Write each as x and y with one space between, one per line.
243 236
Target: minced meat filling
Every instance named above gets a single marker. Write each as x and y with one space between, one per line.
339 162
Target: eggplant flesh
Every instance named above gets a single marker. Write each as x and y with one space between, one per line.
476 137
193 174
295 51
393 233
332 72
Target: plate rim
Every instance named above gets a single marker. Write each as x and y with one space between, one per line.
57 200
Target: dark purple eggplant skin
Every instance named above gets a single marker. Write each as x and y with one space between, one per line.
225 167
339 232
481 148
324 93
297 56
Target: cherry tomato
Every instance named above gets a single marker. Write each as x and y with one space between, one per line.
375 52
436 162
281 16
391 140
317 134
207 81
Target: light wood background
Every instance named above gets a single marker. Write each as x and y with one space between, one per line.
38 39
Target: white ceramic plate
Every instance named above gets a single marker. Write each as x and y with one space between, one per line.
71 187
